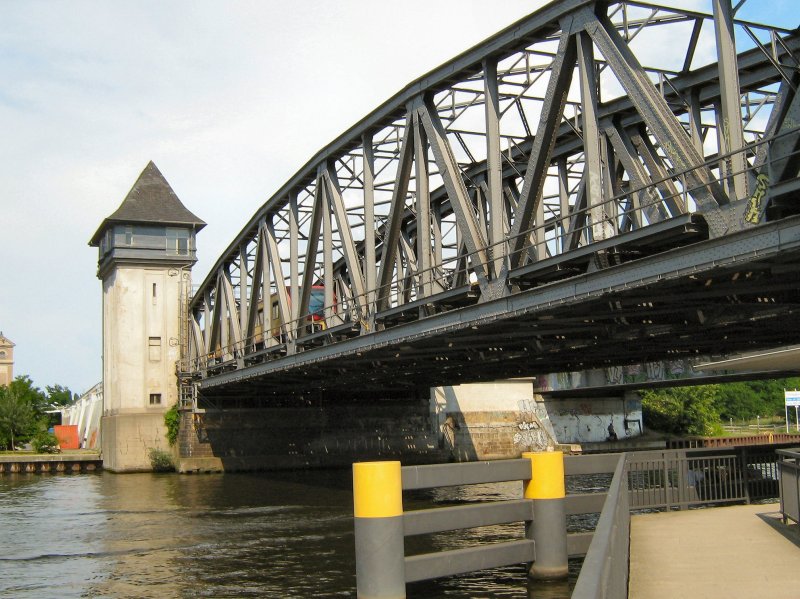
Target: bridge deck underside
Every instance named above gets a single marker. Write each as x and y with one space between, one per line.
737 293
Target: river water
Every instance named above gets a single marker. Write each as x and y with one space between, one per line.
233 535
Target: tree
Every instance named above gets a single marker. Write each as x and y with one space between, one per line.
59 396
746 400
682 410
18 421
23 387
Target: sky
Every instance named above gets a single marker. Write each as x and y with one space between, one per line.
228 99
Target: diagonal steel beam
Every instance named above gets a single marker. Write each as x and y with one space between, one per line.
473 236
397 208
346 237
731 103
255 289
229 315
423 201
593 167
494 166
312 243
289 327
660 120
645 200
552 110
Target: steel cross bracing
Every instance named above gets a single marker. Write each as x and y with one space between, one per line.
585 138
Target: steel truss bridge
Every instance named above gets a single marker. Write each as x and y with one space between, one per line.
601 183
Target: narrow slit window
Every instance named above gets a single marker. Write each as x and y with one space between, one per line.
155 399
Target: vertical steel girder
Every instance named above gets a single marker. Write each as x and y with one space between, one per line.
511 164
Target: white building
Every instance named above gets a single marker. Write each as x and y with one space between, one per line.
146 252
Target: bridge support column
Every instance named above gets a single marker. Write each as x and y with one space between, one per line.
378 516
549 526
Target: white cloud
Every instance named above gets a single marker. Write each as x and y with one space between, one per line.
228 98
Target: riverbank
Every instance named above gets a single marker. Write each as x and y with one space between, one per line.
77 460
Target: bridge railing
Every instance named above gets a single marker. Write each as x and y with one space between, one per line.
789 472
633 211
604 572
383 569
670 479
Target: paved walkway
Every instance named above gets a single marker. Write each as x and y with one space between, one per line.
717 552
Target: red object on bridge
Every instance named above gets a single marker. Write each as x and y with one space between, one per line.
67 435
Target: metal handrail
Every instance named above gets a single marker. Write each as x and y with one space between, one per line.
604 572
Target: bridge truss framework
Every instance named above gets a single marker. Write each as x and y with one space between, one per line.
565 195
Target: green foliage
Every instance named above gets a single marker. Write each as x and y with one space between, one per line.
682 410
23 387
45 442
160 460
23 409
18 419
59 396
172 420
745 401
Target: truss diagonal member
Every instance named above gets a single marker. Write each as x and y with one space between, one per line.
777 160
312 244
782 153
422 182
208 313
214 316
658 170
660 120
243 299
577 221
294 254
229 315
474 238
599 209
369 220
647 199
732 132
256 287
552 110
346 237
494 166
198 343
395 218
289 327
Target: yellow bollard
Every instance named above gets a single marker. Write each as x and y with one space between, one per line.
378 524
549 526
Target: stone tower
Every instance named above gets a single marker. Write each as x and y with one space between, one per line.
147 249
6 360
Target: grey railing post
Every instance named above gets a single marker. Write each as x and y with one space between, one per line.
549 526
378 524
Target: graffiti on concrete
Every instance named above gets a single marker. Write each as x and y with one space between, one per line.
531 434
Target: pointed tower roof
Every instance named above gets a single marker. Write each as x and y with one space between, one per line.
150 201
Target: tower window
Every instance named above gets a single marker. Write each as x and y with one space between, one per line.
128 235
177 242
155 399
154 349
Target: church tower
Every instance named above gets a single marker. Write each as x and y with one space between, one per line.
147 249
6 360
